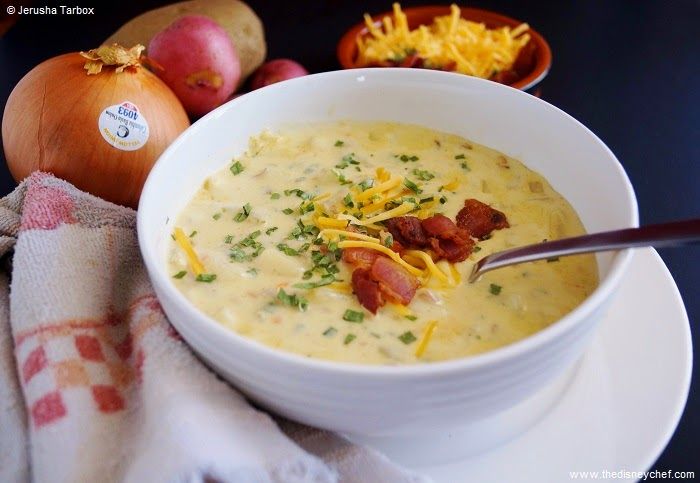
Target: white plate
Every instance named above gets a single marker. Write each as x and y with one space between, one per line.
623 403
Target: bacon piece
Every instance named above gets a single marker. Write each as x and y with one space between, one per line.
367 290
447 239
360 257
407 230
479 219
397 284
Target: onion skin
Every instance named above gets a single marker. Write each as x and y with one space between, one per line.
50 124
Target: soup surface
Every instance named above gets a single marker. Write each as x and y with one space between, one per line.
263 246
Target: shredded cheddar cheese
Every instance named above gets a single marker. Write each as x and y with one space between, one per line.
402 209
192 258
380 188
349 234
430 265
450 41
425 340
325 222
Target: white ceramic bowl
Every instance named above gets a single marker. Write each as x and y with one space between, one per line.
372 400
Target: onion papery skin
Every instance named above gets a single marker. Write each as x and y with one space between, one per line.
51 118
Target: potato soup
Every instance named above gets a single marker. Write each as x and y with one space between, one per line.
353 241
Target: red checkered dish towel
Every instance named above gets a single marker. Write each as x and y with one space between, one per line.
95 385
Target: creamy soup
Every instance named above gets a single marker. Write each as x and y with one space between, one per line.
260 246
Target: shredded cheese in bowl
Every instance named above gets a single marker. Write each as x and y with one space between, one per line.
449 43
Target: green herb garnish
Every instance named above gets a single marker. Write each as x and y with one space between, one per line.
325 280
237 168
270 230
495 289
346 161
553 259
194 232
406 158
465 166
407 337
253 271
206 277
330 332
388 241
366 184
228 239
275 196
423 174
337 144
287 211
443 200
287 250
460 156
353 316
180 274
243 214
293 300
428 199
341 177
412 186
411 317
347 201
349 338
216 216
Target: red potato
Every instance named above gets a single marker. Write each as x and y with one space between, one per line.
199 62
276 71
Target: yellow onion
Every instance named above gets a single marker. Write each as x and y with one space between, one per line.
97 119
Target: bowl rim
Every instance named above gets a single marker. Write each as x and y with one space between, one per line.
466 364
346 48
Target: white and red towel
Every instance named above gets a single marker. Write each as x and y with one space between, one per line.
95 385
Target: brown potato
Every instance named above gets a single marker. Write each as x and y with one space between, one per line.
237 18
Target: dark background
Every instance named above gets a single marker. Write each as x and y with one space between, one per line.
629 70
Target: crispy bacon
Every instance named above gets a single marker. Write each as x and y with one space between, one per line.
479 219
360 257
397 284
367 290
407 230
447 240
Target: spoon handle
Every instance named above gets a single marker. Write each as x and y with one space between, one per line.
661 235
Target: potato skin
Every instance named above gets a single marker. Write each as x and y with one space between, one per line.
237 18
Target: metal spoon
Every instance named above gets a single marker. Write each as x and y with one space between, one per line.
661 235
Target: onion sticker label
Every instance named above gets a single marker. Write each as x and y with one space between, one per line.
123 126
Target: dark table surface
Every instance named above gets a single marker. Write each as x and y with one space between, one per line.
628 70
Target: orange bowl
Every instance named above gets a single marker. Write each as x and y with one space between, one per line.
537 70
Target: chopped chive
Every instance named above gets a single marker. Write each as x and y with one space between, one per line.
423 174
216 216
292 300
237 168
347 201
243 214
330 332
206 277
411 317
270 230
366 184
412 186
443 200
287 211
406 158
180 274
495 289
337 144
194 232
287 250
253 271
465 166
553 259
306 208
427 200
346 161
460 156
275 196
389 241
228 239
349 338
341 177
353 316
407 337
325 280
477 248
